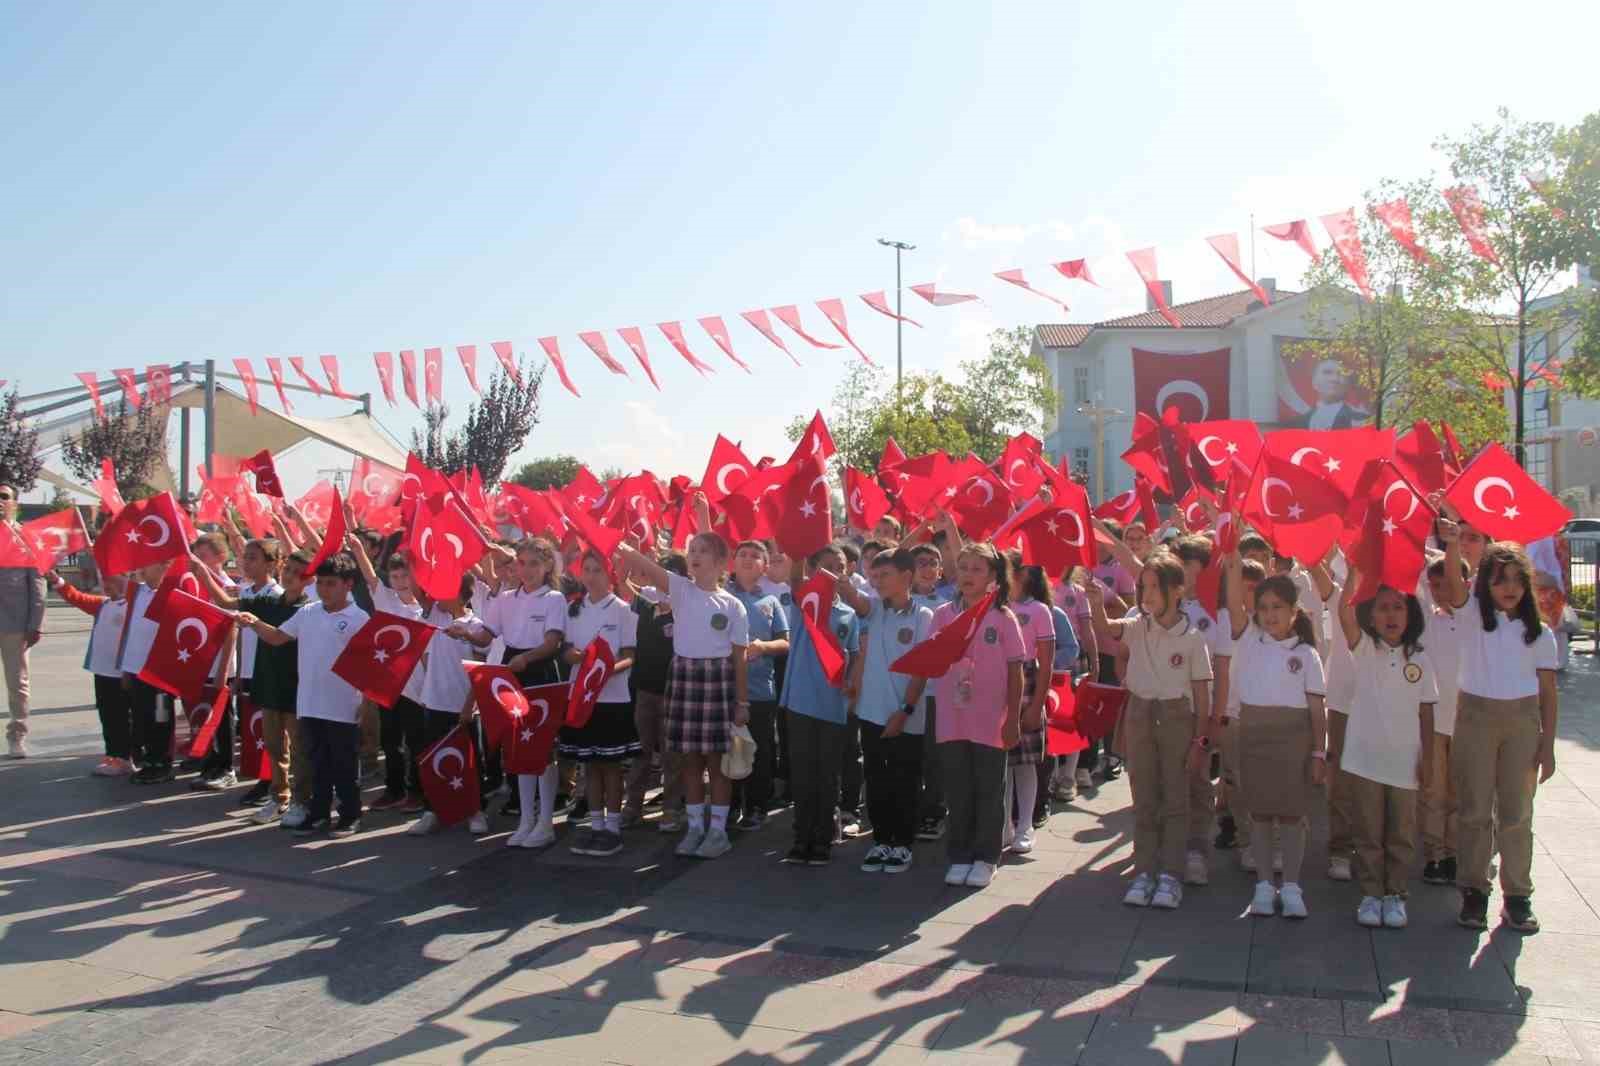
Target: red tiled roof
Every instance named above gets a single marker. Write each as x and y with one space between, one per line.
1210 313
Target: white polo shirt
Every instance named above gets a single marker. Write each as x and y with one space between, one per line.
444 683
247 638
320 635
141 632
103 637
524 619
388 601
707 625
1500 664
1219 639
615 621
1441 638
1163 663
1275 673
1384 739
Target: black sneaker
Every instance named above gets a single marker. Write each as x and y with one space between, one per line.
345 827
579 811
930 829
1447 870
257 796
798 854
1430 874
308 828
752 821
819 855
1517 914
154 774
1227 834
1041 819
1474 909
849 824
605 842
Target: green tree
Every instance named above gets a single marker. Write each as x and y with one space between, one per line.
1005 392
857 401
135 442
19 447
496 425
549 472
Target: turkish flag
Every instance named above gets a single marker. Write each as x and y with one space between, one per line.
205 715
449 774
530 511
257 518
502 352
1341 227
178 578
500 700
260 464
1495 495
805 513
418 481
1390 546
917 481
597 344
1019 467
330 367
1098 707
1197 385
54 537
468 354
254 764
1339 455
1061 536
815 441
602 538
445 544
247 374
584 491
384 361
140 534
381 655
635 341
317 505
1454 452
815 598
526 748
934 656
373 485
727 469
433 374
215 492
673 331
106 487
980 504
190 634
1223 442
275 368
1153 453
1193 510
469 490
892 454
158 384
587 681
1423 458
864 499
130 387
298 363
1295 508
408 375
332 536
1135 505
1061 717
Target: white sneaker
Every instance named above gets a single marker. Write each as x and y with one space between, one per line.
1394 912
1138 894
540 836
1168 894
1083 778
981 874
267 813
1022 841
1294 901
715 844
518 839
427 822
1194 869
1370 913
1264 903
18 748
1339 868
958 873
691 841
1247 861
294 817
478 824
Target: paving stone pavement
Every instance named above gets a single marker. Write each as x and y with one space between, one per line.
157 926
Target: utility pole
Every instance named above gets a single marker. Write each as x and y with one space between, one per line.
1098 414
899 321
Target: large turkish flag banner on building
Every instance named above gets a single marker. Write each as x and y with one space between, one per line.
1196 384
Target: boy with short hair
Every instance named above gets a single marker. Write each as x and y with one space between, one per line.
209 552
769 637
326 705
273 688
152 709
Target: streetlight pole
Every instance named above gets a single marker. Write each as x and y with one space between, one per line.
1098 414
899 321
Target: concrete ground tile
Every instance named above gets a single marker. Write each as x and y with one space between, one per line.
1306 1014
1555 970
1427 1054
1481 1031
837 1014
895 984
1087 997
1171 948
1131 1042
1167 1003
1439 966
1020 1034
15 1024
1396 1021
1278 1047
1586 1036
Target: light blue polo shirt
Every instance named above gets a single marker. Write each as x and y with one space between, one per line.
805 688
890 634
768 621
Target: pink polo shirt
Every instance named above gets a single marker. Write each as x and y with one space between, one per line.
971 696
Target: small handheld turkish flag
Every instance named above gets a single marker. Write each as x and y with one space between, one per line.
588 680
379 659
178 578
54 537
254 765
373 485
141 533
189 636
815 598
864 499
500 699
934 656
260 464
444 545
726 469
805 519
981 503
1098 707
1061 717
332 535
1390 548
527 748
1493 494
1061 537
815 441
449 775
205 717
1295 508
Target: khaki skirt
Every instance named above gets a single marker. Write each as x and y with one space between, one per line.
1274 763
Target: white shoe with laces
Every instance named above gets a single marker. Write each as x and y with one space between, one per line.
715 844
1293 900
267 813
517 839
478 824
958 873
427 822
1138 894
1265 901
1022 840
294 817
1339 868
1370 912
1394 912
1194 869
1168 894
981 874
691 841
540 836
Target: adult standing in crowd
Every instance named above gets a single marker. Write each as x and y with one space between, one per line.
21 625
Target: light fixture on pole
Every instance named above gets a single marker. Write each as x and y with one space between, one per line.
899 324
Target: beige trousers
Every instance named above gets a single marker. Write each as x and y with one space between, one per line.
1492 764
1383 820
1158 735
14 656
291 763
1438 805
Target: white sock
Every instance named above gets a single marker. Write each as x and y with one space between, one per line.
697 816
613 821
549 781
597 820
719 817
1025 782
525 797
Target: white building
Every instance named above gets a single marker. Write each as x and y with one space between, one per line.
1562 431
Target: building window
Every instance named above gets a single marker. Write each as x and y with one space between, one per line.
1536 426
1080 385
1080 467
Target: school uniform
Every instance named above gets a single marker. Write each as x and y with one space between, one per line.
401 731
219 757
931 802
972 710
652 662
780 663
100 659
708 625
274 686
1496 742
818 720
1441 636
524 620
1159 726
892 765
328 707
1033 620
151 709
610 734
1340 669
442 689
768 621
1273 679
1202 791
1382 745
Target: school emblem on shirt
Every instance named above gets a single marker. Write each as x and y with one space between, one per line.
906 633
341 625
1295 664
719 621
991 635
1176 660
786 599
766 611
1203 625
1413 673
842 631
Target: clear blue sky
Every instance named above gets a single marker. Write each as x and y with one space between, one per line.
193 180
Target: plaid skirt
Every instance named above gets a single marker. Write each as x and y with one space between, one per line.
1029 751
699 706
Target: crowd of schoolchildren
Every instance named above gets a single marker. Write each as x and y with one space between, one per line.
1422 719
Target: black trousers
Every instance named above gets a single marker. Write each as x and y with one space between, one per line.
754 793
850 770
116 716
435 725
932 802
893 767
780 764
816 750
400 735
152 739
219 757
335 751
